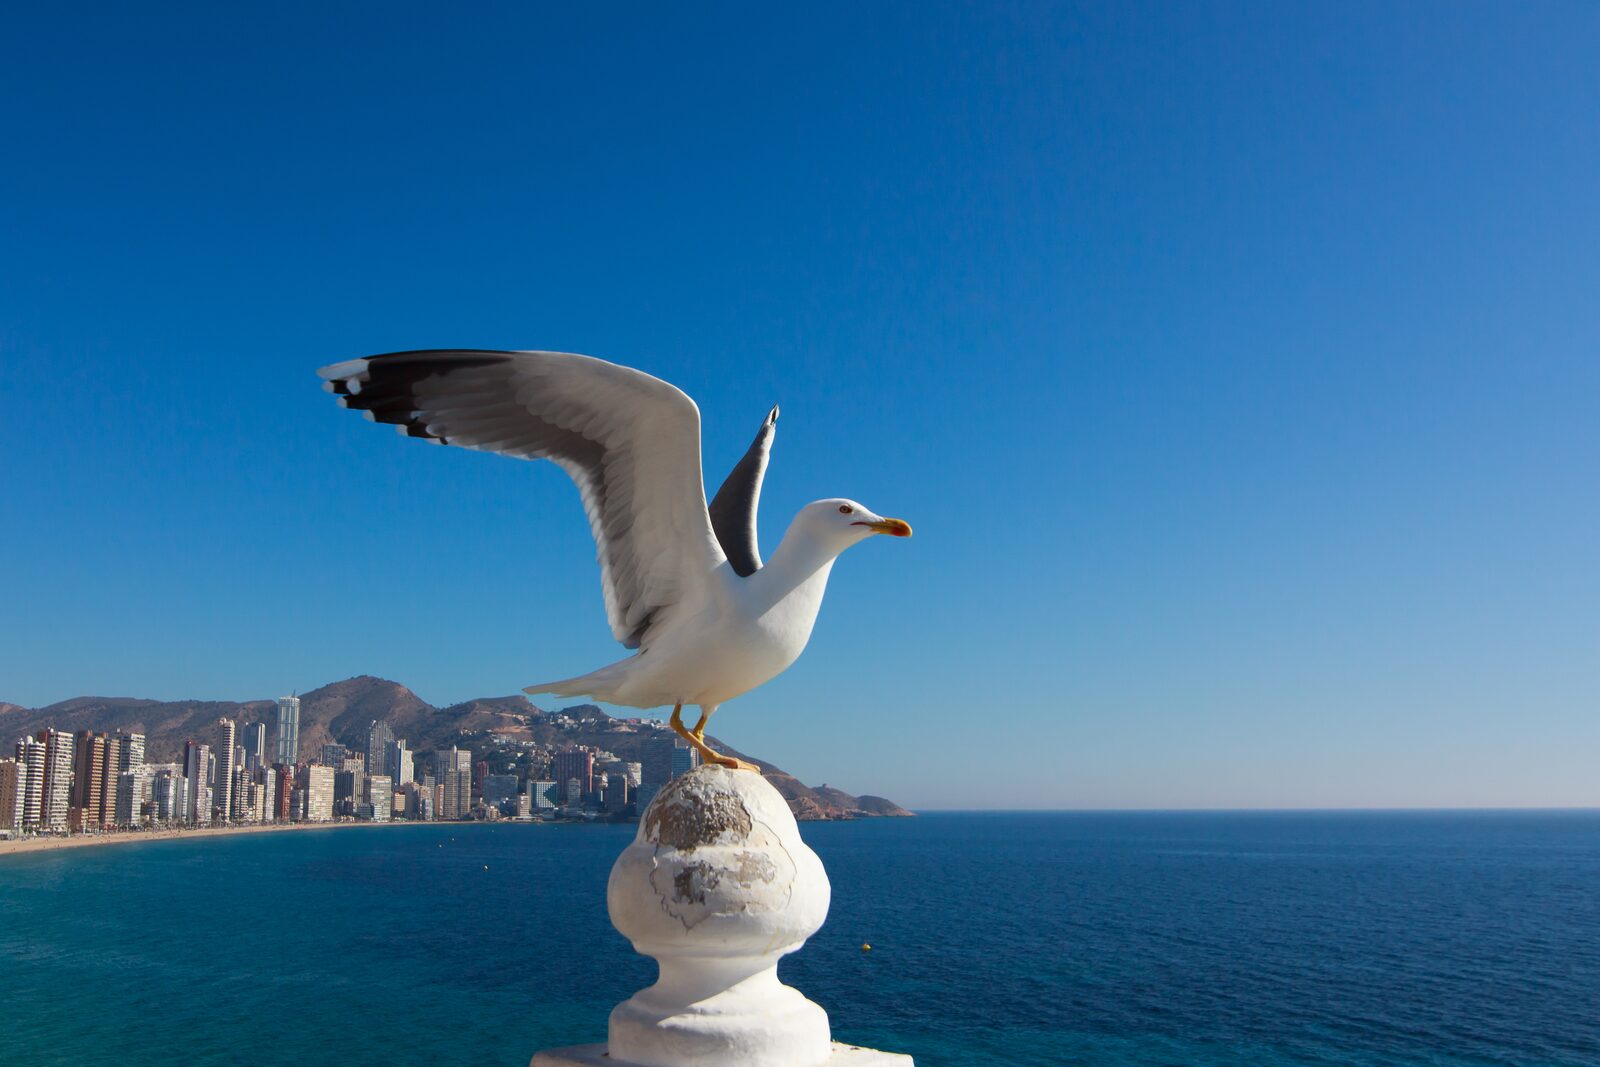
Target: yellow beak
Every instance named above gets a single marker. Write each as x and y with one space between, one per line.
892 527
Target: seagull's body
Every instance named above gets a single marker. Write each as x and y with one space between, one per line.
684 583
747 632
727 649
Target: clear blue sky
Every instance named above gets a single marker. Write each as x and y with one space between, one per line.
1237 364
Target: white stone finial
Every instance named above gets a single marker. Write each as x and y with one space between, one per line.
717 886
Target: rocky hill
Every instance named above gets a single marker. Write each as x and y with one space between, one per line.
340 714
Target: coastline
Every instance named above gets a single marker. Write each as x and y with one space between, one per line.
50 844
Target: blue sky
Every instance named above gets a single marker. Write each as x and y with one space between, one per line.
1237 365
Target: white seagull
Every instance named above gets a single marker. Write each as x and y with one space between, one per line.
684 583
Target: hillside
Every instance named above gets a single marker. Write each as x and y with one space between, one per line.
340 714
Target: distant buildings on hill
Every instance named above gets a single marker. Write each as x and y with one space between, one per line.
62 783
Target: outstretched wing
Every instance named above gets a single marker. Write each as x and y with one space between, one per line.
631 443
733 509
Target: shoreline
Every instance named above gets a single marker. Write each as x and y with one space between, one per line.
52 844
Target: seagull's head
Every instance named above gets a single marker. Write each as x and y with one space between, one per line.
844 522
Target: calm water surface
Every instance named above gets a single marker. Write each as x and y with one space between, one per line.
1106 939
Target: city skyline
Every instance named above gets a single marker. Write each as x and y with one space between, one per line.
1234 368
62 782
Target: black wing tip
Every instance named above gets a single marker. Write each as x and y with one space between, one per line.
383 387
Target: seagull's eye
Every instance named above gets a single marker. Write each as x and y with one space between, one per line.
846 509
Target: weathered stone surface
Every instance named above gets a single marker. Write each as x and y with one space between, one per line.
687 815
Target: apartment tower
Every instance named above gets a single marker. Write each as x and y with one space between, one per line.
88 775
56 795
288 747
225 738
379 737
10 795
197 772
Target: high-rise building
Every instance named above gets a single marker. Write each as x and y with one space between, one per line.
133 792
500 791
455 782
333 755
574 763
658 760
57 794
246 795
379 737
317 782
397 760
169 795
617 792
643 796
108 780
349 787
197 770
243 792
254 741
684 759
418 798
88 775
132 757
283 796
268 779
222 748
380 797
10 795
546 795
288 746
30 764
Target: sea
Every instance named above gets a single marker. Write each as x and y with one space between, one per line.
1107 939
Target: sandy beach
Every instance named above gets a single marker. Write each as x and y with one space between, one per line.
46 844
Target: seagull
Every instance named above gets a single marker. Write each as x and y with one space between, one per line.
684 583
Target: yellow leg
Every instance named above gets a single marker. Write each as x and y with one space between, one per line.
697 738
676 722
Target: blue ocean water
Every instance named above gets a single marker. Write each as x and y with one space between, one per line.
1105 939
